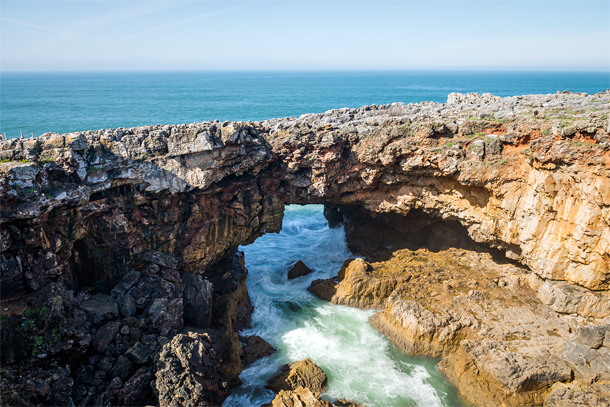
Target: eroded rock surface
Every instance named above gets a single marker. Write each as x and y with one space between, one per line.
121 219
499 343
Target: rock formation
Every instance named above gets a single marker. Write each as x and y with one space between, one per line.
89 214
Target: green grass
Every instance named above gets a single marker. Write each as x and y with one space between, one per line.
46 160
6 160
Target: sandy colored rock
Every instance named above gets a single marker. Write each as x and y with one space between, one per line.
298 374
500 345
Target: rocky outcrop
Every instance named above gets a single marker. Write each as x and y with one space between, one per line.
255 348
146 209
304 397
304 374
299 269
499 343
90 205
188 373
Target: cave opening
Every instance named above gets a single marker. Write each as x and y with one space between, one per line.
377 235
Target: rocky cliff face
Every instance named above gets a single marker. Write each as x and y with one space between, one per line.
89 205
528 176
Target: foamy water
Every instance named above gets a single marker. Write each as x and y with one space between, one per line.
362 365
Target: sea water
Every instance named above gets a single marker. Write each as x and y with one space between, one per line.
61 102
362 365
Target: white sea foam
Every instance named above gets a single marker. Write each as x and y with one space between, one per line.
361 364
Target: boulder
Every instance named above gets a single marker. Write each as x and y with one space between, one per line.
105 335
303 397
101 308
161 259
298 270
255 348
298 374
188 372
137 389
139 353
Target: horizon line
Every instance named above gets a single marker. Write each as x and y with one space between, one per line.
310 70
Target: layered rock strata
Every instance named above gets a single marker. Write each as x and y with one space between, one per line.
526 175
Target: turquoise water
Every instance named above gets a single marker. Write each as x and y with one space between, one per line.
361 364
34 102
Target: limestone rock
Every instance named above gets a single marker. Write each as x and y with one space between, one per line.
299 397
298 374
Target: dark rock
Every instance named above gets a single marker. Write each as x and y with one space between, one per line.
122 368
139 353
333 216
298 374
161 258
128 281
165 316
106 363
150 289
188 373
197 301
137 389
101 308
105 335
116 383
255 348
171 275
84 374
298 270
324 288
127 305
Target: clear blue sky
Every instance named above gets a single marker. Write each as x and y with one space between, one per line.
304 35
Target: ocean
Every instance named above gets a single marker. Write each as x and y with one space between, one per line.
61 102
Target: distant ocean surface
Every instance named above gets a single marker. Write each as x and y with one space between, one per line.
35 102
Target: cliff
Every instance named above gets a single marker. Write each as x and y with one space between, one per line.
526 176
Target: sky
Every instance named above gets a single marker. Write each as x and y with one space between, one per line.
114 35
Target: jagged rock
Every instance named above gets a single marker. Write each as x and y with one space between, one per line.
197 301
122 368
298 270
188 373
127 305
562 395
299 397
105 335
101 308
303 397
139 353
128 281
354 286
298 374
137 389
161 259
255 348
